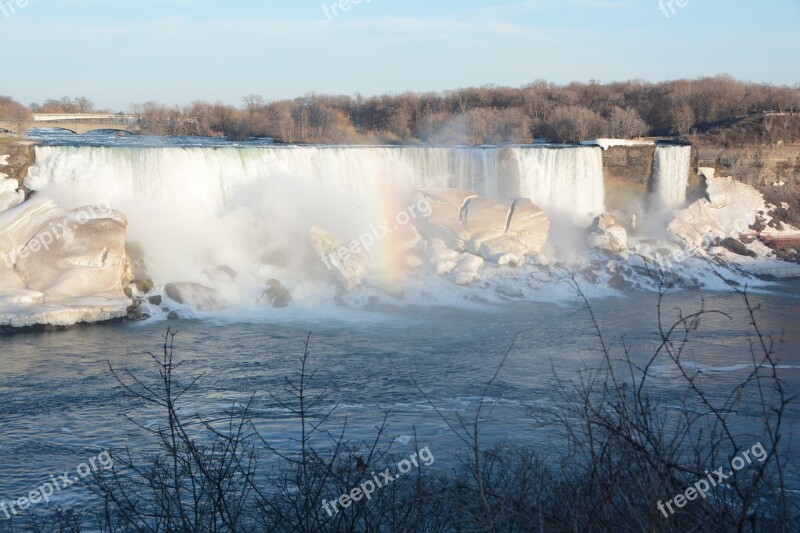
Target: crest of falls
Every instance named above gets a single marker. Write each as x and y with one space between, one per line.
671 174
254 206
569 180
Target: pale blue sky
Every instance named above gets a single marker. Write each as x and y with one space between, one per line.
174 51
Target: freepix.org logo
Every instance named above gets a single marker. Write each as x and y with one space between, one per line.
9 8
57 483
669 7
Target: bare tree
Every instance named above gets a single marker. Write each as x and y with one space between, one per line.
682 119
627 124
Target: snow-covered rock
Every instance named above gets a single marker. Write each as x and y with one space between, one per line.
60 267
605 144
729 211
10 194
446 216
501 231
349 267
195 296
3 163
468 269
606 234
440 257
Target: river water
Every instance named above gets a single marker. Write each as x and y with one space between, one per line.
61 404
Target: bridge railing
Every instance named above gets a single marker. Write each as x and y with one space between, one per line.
84 117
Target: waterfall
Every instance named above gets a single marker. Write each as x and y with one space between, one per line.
671 174
568 181
249 207
214 179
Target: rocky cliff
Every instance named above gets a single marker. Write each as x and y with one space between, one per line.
774 170
20 156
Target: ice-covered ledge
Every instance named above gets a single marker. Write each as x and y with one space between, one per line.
59 267
605 144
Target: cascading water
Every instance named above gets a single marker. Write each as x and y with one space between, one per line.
251 208
671 174
567 181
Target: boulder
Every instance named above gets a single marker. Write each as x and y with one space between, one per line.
737 247
502 231
137 311
617 282
440 257
486 219
227 271
446 216
10 194
275 295
220 275
349 268
731 208
606 234
144 285
503 251
195 296
61 267
529 225
468 268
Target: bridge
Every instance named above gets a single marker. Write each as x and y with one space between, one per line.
74 122
85 122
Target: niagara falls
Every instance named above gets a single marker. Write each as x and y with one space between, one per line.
486 266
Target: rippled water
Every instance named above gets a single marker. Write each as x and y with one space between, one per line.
59 137
59 403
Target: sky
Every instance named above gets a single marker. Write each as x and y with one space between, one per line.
118 52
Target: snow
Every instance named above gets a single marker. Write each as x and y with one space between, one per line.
605 144
60 267
729 211
3 163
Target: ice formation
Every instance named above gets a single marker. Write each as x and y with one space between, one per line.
59 266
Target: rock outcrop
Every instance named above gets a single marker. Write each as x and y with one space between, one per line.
501 231
729 211
606 234
10 194
442 259
468 269
57 266
349 267
459 231
276 295
195 296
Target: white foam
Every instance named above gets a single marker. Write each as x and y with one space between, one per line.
671 174
605 144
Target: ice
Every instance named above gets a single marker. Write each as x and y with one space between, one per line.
605 144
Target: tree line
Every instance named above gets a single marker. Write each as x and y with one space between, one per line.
475 115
